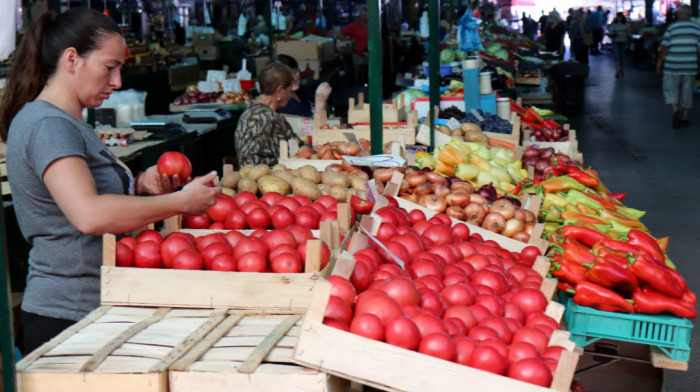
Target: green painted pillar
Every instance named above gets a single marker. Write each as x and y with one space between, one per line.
270 29
374 31
7 339
434 63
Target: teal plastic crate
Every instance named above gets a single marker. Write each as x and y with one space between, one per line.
669 333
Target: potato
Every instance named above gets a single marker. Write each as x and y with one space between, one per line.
358 183
304 187
445 129
467 126
270 183
230 180
228 191
245 169
339 193
278 166
310 173
335 178
456 132
258 171
247 185
285 175
324 189
476 136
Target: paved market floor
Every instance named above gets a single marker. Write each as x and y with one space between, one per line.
626 135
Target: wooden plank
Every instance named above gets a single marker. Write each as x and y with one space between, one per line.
357 241
295 379
344 217
541 265
322 136
270 341
344 265
565 371
548 288
60 338
109 250
108 348
555 310
205 344
660 360
313 256
562 339
91 382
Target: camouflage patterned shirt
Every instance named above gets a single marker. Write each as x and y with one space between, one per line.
258 135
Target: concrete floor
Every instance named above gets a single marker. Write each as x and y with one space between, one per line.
626 135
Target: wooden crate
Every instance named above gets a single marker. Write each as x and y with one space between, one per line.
360 113
569 147
534 79
250 353
292 162
512 138
285 293
116 349
392 368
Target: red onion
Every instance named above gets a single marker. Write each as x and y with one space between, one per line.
542 165
488 191
546 153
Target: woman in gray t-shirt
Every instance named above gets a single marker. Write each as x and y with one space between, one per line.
67 188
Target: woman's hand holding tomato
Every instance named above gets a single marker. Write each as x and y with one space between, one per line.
151 182
199 196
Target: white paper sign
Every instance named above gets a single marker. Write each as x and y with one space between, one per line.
477 115
232 85
381 160
216 76
453 123
207 87
423 135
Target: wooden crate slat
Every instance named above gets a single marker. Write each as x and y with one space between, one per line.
295 379
126 364
90 382
261 351
276 355
203 345
143 350
252 341
130 311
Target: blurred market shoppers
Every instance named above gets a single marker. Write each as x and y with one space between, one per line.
678 60
554 34
544 20
357 31
260 127
619 34
67 187
594 24
578 36
529 26
303 103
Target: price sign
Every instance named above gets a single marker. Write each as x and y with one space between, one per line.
207 87
453 123
232 85
216 76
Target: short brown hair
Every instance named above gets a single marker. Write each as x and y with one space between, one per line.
274 74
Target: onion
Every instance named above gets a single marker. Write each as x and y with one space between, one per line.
404 186
543 164
427 169
334 167
477 198
512 226
423 189
416 178
441 190
531 152
488 191
414 168
504 207
494 222
529 161
358 173
474 213
346 148
528 227
516 202
347 166
457 198
383 175
464 186
546 153
435 203
410 197
455 212
452 180
521 236
436 177
529 216
519 215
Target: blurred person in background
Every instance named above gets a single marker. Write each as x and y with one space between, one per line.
619 34
303 102
554 34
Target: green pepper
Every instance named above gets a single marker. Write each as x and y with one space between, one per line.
554 199
575 197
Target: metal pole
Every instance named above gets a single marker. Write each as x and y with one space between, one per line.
270 29
7 339
374 32
433 63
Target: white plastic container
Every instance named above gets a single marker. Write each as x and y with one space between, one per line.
485 83
503 108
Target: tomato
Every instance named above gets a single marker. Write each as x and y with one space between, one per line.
172 163
392 201
325 253
206 240
458 294
439 345
188 259
386 232
336 324
233 237
424 267
382 306
223 206
553 352
428 324
343 288
513 325
532 370
365 295
496 280
328 216
338 309
444 252
212 250
251 262
530 300
258 219
286 263
500 326
439 234
480 333
397 249
150 235
402 332
392 269
491 302
318 208
172 246
307 219
465 349
302 200
403 290
533 336
388 215
368 325
244 197
253 205
235 220
301 233
276 238
284 248
521 350
513 311
543 319
124 255
223 262
480 311
462 313
431 300
288 202
147 255
250 244
478 261
488 359
476 238
361 206
416 216
452 279
281 217
461 231
361 276
501 347
530 253
327 201
369 254
455 327
271 198
131 242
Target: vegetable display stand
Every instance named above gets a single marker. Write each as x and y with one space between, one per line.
670 334
390 132
513 137
288 159
116 349
391 368
529 77
569 147
249 353
391 112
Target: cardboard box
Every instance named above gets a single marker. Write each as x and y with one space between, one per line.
207 52
203 39
307 49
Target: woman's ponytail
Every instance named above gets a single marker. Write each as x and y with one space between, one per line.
27 76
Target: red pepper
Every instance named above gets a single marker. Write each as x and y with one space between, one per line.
532 116
361 206
551 124
617 196
514 107
611 275
620 246
610 255
584 235
689 296
655 276
584 217
564 286
647 244
578 253
598 297
583 177
655 303
680 282
570 272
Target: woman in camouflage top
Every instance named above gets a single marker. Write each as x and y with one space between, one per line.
260 128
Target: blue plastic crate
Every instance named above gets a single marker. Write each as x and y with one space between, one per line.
444 69
669 333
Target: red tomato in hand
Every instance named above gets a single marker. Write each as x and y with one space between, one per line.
124 256
173 162
188 259
223 206
147 255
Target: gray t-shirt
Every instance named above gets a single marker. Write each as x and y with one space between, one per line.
64 264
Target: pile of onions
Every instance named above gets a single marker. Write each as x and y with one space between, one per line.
550 135
334 150
543 158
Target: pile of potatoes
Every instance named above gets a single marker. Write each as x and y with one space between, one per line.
467 132
306 181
